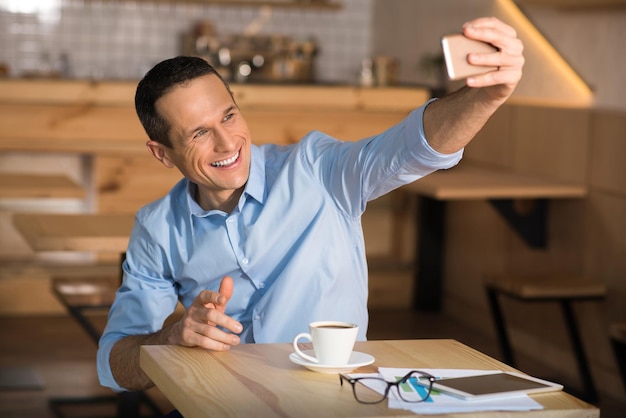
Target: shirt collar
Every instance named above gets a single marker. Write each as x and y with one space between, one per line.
255 188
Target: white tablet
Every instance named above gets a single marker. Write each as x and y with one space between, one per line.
495 385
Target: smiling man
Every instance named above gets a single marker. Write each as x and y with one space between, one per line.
208 141
258 241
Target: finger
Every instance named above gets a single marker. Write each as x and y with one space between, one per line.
226 288
496 77
219 335
500 59
504 38
195 326
221 297
210 314
491 23
216 317
210 298
210 338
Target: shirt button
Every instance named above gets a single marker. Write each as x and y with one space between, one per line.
245 261
257 317
230 220
261 285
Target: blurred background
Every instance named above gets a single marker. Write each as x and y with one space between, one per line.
68 70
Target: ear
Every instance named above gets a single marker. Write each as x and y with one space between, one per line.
159 151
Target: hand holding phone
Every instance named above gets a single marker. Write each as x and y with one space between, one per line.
456 47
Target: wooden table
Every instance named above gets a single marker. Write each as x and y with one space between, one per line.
466 182
75 232
470 182
260 380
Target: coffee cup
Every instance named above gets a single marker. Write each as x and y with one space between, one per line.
333 342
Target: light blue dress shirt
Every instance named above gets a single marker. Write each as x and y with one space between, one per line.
293 245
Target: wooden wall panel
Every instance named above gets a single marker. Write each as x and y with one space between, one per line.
608 151
551 142
605 248
477 243
494 143
390 288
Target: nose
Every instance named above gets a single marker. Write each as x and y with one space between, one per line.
222 140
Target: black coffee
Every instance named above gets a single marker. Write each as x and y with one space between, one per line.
335 326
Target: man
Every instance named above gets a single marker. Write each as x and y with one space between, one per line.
256 242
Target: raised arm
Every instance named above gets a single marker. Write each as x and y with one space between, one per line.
451 122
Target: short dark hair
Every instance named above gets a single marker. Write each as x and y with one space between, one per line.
159 81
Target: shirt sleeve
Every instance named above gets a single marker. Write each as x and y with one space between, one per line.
402 155
361 171
142 303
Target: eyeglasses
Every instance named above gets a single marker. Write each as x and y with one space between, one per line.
415 386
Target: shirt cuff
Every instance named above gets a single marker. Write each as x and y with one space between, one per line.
425 153
104 368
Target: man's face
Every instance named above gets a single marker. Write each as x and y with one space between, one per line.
210 140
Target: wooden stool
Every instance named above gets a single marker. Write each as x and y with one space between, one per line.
563 290
617 334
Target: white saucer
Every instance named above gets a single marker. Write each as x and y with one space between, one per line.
356 360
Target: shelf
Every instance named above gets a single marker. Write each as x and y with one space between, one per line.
574 4
301 4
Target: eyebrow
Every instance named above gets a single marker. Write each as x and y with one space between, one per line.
229 109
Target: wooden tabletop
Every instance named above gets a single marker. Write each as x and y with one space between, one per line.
75 232
472 182
260 380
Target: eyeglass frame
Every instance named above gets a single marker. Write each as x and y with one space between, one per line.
397 383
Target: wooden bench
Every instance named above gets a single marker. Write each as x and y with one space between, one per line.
564 290
25 186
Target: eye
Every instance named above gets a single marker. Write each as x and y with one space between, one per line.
228 117
199 133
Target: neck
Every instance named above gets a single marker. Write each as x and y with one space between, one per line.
225 202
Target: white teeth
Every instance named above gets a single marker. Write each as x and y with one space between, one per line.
224 163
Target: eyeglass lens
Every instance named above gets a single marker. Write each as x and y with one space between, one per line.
373 390
411 391
368 390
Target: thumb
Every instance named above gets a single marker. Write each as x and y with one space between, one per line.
226 289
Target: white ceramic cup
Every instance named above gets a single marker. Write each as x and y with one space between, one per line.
333 342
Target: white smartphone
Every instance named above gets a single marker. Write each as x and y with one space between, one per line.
456 47
495 385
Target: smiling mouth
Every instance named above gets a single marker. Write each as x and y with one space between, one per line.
227 162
